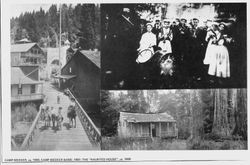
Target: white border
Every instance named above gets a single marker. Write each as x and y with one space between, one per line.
241 157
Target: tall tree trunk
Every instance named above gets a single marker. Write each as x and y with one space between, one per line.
191 115
220 121
241 114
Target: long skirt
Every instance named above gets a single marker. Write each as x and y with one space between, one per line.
209 56
165 46
219 61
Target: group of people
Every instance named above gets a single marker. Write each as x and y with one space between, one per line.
50 114
192 47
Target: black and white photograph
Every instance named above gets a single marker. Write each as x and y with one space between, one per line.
131 82
184 119
55 70
173 45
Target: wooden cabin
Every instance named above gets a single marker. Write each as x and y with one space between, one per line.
146 125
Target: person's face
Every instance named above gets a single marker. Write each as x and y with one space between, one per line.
149 28
195 23
157 22
183 22
214 27
177 22
166 23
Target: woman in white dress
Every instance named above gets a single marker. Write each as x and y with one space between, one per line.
165 36
147 42
217 55
148 39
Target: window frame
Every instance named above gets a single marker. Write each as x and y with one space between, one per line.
32 89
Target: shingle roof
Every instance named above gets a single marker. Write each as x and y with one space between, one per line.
146 117
22 47
93 56
17 76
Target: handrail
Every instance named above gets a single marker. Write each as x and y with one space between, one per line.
31 133
94 131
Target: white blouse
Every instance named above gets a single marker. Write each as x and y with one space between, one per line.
148 40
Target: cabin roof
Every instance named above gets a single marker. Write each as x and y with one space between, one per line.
22 47
93 56
18 77
146 117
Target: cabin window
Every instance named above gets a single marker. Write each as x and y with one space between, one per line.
22 54
20 90
33 88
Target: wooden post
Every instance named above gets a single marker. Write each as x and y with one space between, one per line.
160 129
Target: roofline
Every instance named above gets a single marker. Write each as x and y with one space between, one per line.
172 121
69 60
27 83
28 49
78 51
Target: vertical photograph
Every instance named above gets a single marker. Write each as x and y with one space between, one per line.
183 119
55 77
173 46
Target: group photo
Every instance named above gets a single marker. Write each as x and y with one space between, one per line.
186 45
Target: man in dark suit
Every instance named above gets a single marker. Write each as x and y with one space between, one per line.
196 52
157 29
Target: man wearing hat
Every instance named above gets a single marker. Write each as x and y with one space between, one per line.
157 29
182 37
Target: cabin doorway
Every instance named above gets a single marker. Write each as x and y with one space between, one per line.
153 130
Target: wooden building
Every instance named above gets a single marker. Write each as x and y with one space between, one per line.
25 88
26 54
81 75
146 125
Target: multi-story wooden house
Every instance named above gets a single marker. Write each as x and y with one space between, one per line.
26 54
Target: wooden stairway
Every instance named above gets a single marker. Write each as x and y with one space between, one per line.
65 139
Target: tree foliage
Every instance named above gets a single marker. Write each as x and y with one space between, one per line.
80 25
213 113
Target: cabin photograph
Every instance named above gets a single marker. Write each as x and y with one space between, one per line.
142 125
188 119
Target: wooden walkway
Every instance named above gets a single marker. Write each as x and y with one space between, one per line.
65 139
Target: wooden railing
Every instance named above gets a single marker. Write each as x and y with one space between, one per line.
30 136
88 125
